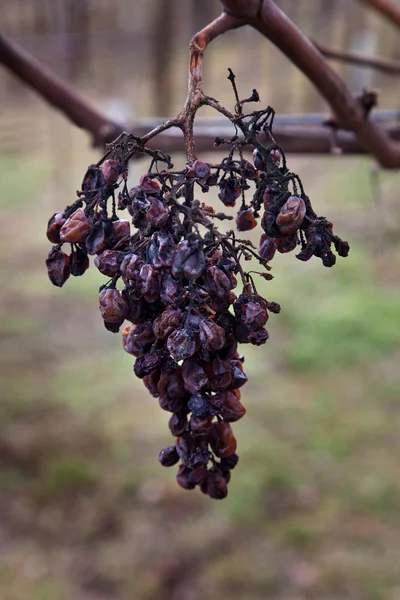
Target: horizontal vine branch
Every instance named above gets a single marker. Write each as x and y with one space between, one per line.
379 64
56 92
368 136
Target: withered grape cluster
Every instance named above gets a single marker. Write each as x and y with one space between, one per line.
172 278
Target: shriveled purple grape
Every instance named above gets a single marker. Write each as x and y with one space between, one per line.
168 457
194 376
57 264
212 336
189 260
198 406
110 170
167 322
291 215
150 281
78 262
113 306
229 191
137 339
181 345
158 214
108 262
245 220
53 227
76 228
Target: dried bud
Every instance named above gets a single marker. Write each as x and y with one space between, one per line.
57 264
76 228
329 259
341 247
291 215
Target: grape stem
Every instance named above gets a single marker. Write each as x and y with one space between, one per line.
195 96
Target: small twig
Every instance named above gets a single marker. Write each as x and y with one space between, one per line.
380 64
232 78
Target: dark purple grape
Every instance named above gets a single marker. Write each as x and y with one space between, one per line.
53 227
108 262
78 262
181 345
168 457
57 264
76 228
245 220
229 191
110 171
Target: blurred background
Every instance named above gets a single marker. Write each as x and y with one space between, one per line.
86 511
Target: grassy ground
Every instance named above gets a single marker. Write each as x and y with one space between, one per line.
313 509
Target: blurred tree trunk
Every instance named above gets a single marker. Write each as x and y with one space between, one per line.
77 23
162 51
202 12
